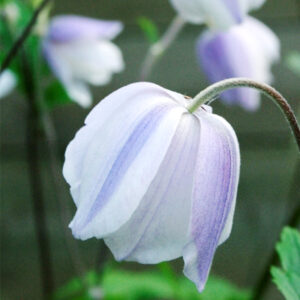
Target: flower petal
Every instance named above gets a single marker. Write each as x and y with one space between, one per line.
254 4
108 195
246 50
215 188
68 28
8 82
101 114
161 221
219 14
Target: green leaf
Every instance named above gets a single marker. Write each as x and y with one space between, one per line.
293 62
126 285
287 279
116 284
56 95
149 28
216 288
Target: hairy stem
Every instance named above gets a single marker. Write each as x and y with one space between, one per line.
216 89
23 36
157 49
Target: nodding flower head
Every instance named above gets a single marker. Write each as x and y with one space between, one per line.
154 180
79 51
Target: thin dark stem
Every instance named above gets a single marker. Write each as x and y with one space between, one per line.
19 42
65 216
216 89
39 215
102 254
294 220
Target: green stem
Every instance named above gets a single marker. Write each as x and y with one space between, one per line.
216 89
22 38
157 49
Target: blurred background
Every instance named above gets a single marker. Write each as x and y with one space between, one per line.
269 156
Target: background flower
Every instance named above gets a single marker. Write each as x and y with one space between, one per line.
79 51
155 181
8 82
217 14
245 50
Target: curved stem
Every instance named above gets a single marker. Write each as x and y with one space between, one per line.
216 89
157 49
19 42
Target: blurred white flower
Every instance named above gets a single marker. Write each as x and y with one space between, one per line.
79 51
245 50
8 82
154 180
217 14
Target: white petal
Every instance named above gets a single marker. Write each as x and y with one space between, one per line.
8 82
119 101
254 4
157 231
215 188
118 153
217 14
79 92
91 61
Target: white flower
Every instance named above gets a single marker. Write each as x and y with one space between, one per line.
217 14
154 180
245 50
8 82
79 51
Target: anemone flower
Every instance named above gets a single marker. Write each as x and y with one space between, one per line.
79 51
245 50
8 82
217 14
154 180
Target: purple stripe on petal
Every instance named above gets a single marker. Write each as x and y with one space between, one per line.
224 55
234 7
126 156
161 221
69 28
215 189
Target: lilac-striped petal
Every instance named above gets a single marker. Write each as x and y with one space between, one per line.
118 153
218 14
160 223
70 28
215 187
246 50
101 115
222 56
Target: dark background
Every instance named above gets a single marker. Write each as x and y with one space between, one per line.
268 153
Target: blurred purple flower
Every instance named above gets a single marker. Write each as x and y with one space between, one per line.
79 51
245 50
217 14
8 82
152 179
